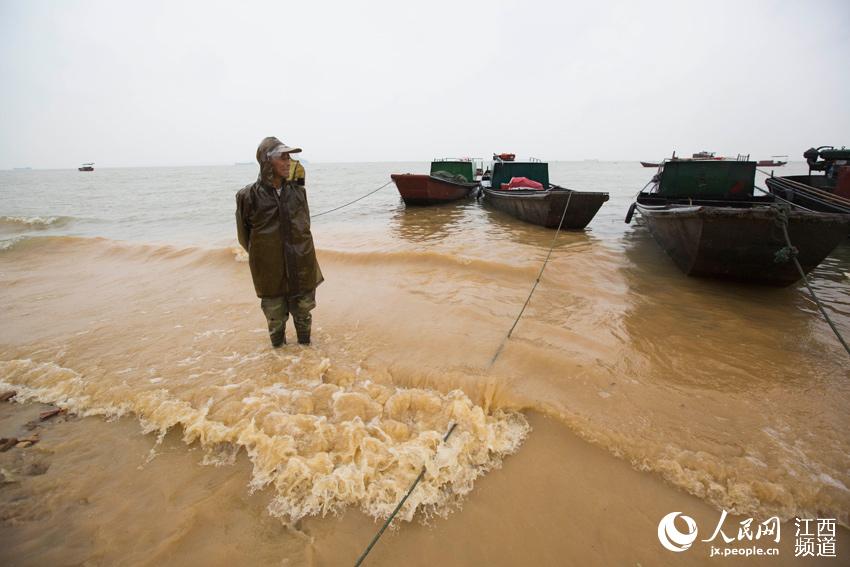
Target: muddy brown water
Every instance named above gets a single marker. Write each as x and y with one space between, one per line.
627 391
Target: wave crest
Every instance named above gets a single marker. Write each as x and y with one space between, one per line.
19 223
322 446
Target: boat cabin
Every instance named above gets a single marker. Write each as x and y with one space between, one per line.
710 179
503 171
462 167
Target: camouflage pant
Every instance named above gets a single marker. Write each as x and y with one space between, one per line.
277 310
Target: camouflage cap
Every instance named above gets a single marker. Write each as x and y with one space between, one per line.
270 147
282 149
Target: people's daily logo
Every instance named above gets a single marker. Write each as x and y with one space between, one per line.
670 536
815 537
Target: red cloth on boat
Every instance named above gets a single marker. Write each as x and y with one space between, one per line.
522 183
842 184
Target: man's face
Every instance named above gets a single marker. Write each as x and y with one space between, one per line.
280 165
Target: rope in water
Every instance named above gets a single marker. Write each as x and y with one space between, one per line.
398 507
790 252
452 428
534 287
352 202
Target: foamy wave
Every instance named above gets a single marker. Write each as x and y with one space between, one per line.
9 243
33 223
239 254
321 445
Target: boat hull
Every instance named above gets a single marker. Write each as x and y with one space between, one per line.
545 208
419 190
742 243
649 164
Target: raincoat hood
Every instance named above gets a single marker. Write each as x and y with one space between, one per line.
262 158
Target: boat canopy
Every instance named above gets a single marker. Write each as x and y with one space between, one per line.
718 179
464 168
503 171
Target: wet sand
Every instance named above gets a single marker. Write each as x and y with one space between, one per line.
102 328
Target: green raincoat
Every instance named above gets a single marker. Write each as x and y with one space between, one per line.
276 231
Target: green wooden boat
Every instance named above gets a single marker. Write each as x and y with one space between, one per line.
705 215
544 207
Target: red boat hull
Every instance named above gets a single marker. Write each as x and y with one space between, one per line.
418 189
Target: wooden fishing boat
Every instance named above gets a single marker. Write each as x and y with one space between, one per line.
770 163
827 192
86 167
650 163
544 207
705 216
449 180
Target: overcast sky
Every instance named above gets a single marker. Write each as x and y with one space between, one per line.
186 83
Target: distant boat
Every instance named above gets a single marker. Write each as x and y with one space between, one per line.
699 156
86 167
705 155
771 162
21 169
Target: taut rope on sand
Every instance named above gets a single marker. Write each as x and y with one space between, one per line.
398 507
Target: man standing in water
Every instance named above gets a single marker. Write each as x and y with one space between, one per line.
273 226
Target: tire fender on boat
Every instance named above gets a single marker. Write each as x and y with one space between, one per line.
630 213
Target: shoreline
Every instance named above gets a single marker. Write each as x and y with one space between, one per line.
558 499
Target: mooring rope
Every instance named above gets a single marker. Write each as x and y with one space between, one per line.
398 507
534 287
790 252
812 193
786 201
352 202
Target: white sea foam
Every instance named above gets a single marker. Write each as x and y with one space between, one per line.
322 446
